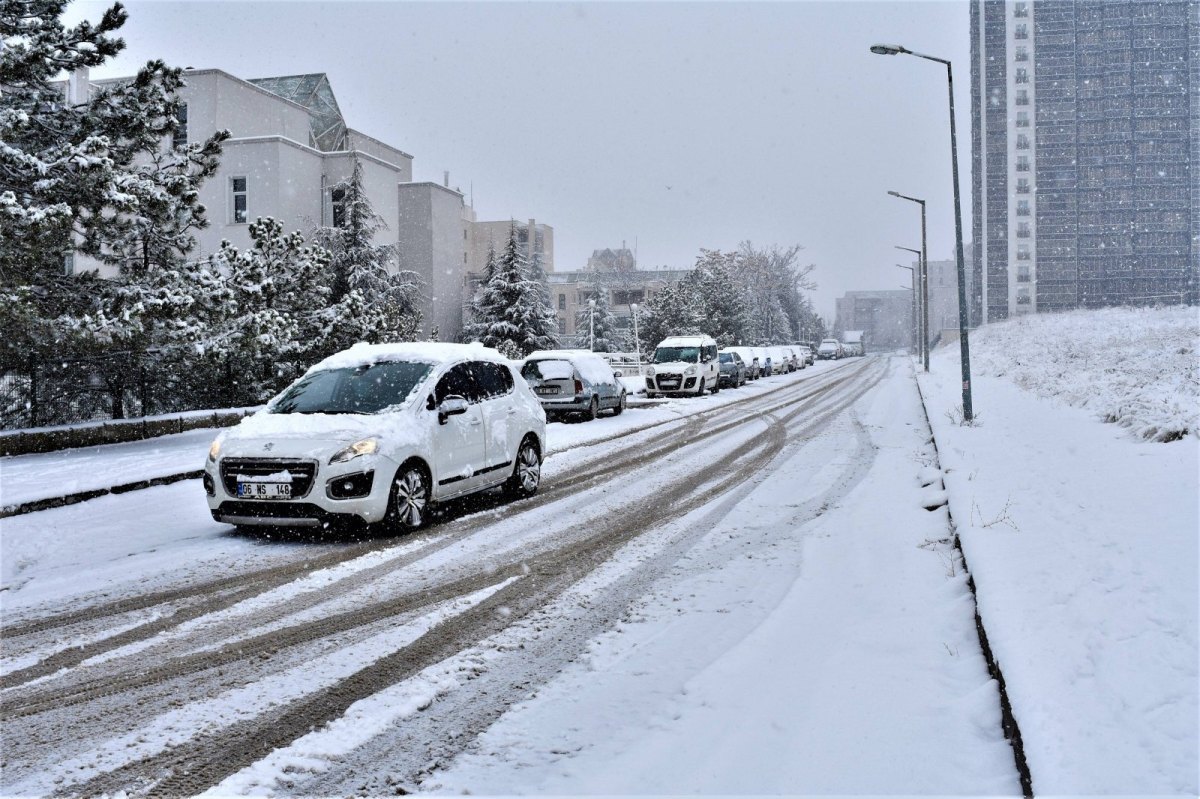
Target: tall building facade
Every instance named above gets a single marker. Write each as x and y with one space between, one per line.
1085 154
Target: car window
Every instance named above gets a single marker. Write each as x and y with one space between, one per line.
494 379
369 388
459 381
548 370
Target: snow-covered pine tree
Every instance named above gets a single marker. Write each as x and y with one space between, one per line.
597 326
477 315
715 286
509 308
543 326
276 322
672 311
371 300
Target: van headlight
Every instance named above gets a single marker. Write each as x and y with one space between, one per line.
214 449
649 371
367 446
691 370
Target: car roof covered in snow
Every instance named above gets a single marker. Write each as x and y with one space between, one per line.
433 352
562 355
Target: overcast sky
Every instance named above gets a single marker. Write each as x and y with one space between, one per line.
673 125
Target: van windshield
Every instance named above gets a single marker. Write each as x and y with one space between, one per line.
672 354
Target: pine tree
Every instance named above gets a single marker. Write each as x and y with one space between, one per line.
510 306
597 326
370 299
543 324
476 325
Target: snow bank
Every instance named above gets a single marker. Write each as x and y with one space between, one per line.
1138 367
1083 540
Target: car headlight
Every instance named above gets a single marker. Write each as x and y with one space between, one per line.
691 370
367 446
649 371
214 449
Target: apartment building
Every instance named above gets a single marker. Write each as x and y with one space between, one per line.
1085 153
884 317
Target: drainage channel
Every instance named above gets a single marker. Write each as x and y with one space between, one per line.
1008 721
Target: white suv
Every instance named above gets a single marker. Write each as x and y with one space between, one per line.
684 365
380 433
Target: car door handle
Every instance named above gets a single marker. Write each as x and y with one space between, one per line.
511 411
475 422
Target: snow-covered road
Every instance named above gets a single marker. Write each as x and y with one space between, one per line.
749 598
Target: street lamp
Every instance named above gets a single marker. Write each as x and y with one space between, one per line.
924 254
637 342
916 326
592 325
924 328
964 346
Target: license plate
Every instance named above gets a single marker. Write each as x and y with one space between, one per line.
547 389
264 490
669 384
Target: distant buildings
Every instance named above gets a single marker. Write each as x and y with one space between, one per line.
884 317
289 150
1085 153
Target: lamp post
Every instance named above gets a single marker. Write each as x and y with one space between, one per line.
637 341
964 346
592 325
924 279
916 326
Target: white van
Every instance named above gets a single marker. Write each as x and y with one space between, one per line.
684 365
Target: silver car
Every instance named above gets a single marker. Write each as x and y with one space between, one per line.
574 382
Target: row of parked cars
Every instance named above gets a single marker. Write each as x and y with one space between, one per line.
380 434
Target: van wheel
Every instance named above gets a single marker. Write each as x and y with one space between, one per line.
702 389
716 386
527 471
408 505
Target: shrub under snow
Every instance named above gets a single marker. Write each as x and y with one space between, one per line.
1138 367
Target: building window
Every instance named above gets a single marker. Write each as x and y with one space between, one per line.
238 194
628 297
1022 252
1021 31
1022 54
562 302
1022 185
1022 119
1022 141
1022 207
1023 297
1021 10
1023 273
1022 75
1023 231
1022 163
1022 97
464 234
562 327
180 137
337 202
539 242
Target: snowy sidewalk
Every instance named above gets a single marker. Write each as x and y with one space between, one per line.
1083 544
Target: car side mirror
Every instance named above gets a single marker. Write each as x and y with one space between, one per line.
617 373
451 406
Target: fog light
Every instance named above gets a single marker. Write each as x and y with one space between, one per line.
210 487
350 486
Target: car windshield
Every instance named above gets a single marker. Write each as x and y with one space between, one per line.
726 357
370 388
672 354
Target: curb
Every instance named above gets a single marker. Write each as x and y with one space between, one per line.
21 508
1008 721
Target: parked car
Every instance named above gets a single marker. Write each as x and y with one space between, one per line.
733 369
768 366
683 365
749 356
830 350
380 433
573 381
797 356
782 360
806 351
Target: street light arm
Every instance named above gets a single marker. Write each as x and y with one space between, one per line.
906 197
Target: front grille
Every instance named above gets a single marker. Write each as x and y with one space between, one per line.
668 381
270 510
302 471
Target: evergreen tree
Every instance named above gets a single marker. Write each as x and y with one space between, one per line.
509 304
476 325
597 326
370 299
672 311
543 324
716 289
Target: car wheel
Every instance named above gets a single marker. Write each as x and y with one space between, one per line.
716 386
527 471
408 505
617 411
593 409
702 389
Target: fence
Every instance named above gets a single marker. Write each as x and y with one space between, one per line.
37 391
